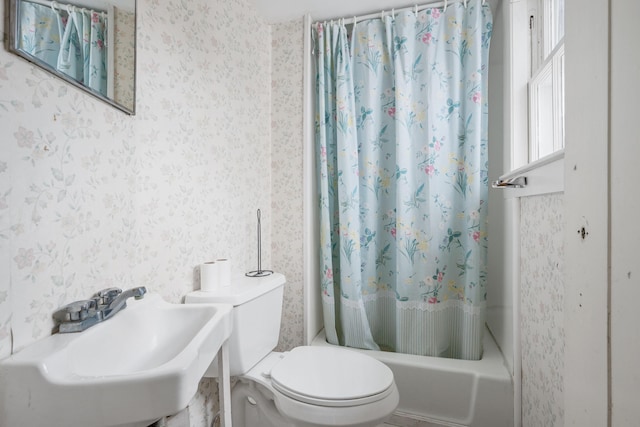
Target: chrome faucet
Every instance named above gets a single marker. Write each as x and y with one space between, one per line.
81 315
114 299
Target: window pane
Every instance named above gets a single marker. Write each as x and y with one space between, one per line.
544 95
559 144
558 21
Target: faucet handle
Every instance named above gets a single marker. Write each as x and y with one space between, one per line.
108 295
75 311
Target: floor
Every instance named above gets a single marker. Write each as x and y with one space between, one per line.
397 421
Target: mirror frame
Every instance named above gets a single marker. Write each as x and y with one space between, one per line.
14 20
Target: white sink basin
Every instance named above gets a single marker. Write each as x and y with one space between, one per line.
142 364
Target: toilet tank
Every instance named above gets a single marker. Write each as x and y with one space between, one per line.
256 314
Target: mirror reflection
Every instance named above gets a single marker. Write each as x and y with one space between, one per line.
91 45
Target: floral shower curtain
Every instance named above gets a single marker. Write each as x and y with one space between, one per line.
69 39
401 140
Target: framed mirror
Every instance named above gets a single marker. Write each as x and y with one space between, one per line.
88 43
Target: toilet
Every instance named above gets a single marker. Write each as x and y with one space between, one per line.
305 387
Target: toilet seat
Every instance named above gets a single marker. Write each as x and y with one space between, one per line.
308 391
331 377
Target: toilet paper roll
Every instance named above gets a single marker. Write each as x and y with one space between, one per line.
210 276
224 271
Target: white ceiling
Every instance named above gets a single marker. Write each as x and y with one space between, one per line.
275 11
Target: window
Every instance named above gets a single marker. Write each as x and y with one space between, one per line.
546 81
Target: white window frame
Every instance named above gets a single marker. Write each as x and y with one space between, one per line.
553 68
529 46
547 62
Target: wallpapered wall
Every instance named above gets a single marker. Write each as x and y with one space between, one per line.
286 163
542 309
92 198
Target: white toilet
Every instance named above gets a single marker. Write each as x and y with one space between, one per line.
305 387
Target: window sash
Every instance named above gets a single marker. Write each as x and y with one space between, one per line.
546 106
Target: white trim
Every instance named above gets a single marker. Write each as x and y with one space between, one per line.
586 204
542 78
558 96
513 224
551 72
553 157
312 320
544 176
536 35
519 63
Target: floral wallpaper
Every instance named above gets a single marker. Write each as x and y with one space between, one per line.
542 310
286 162
92 198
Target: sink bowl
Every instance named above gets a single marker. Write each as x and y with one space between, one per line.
142 364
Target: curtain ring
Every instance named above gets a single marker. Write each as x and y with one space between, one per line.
54 6
355 21
416 11
465 4
445 6
393 13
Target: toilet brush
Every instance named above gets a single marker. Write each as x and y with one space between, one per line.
259 272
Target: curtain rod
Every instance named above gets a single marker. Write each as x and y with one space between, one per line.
49 2
392 12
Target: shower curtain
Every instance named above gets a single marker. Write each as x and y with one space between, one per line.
83 51
401 148
69 39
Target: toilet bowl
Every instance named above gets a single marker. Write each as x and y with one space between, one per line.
304 387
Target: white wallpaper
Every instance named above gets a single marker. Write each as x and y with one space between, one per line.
542 310
286 132
91 197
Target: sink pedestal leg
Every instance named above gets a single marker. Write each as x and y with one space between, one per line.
224 386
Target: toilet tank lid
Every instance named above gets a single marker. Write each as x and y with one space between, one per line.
241 290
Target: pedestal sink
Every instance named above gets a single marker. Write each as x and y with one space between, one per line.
143 364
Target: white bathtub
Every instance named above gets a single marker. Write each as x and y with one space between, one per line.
448 391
